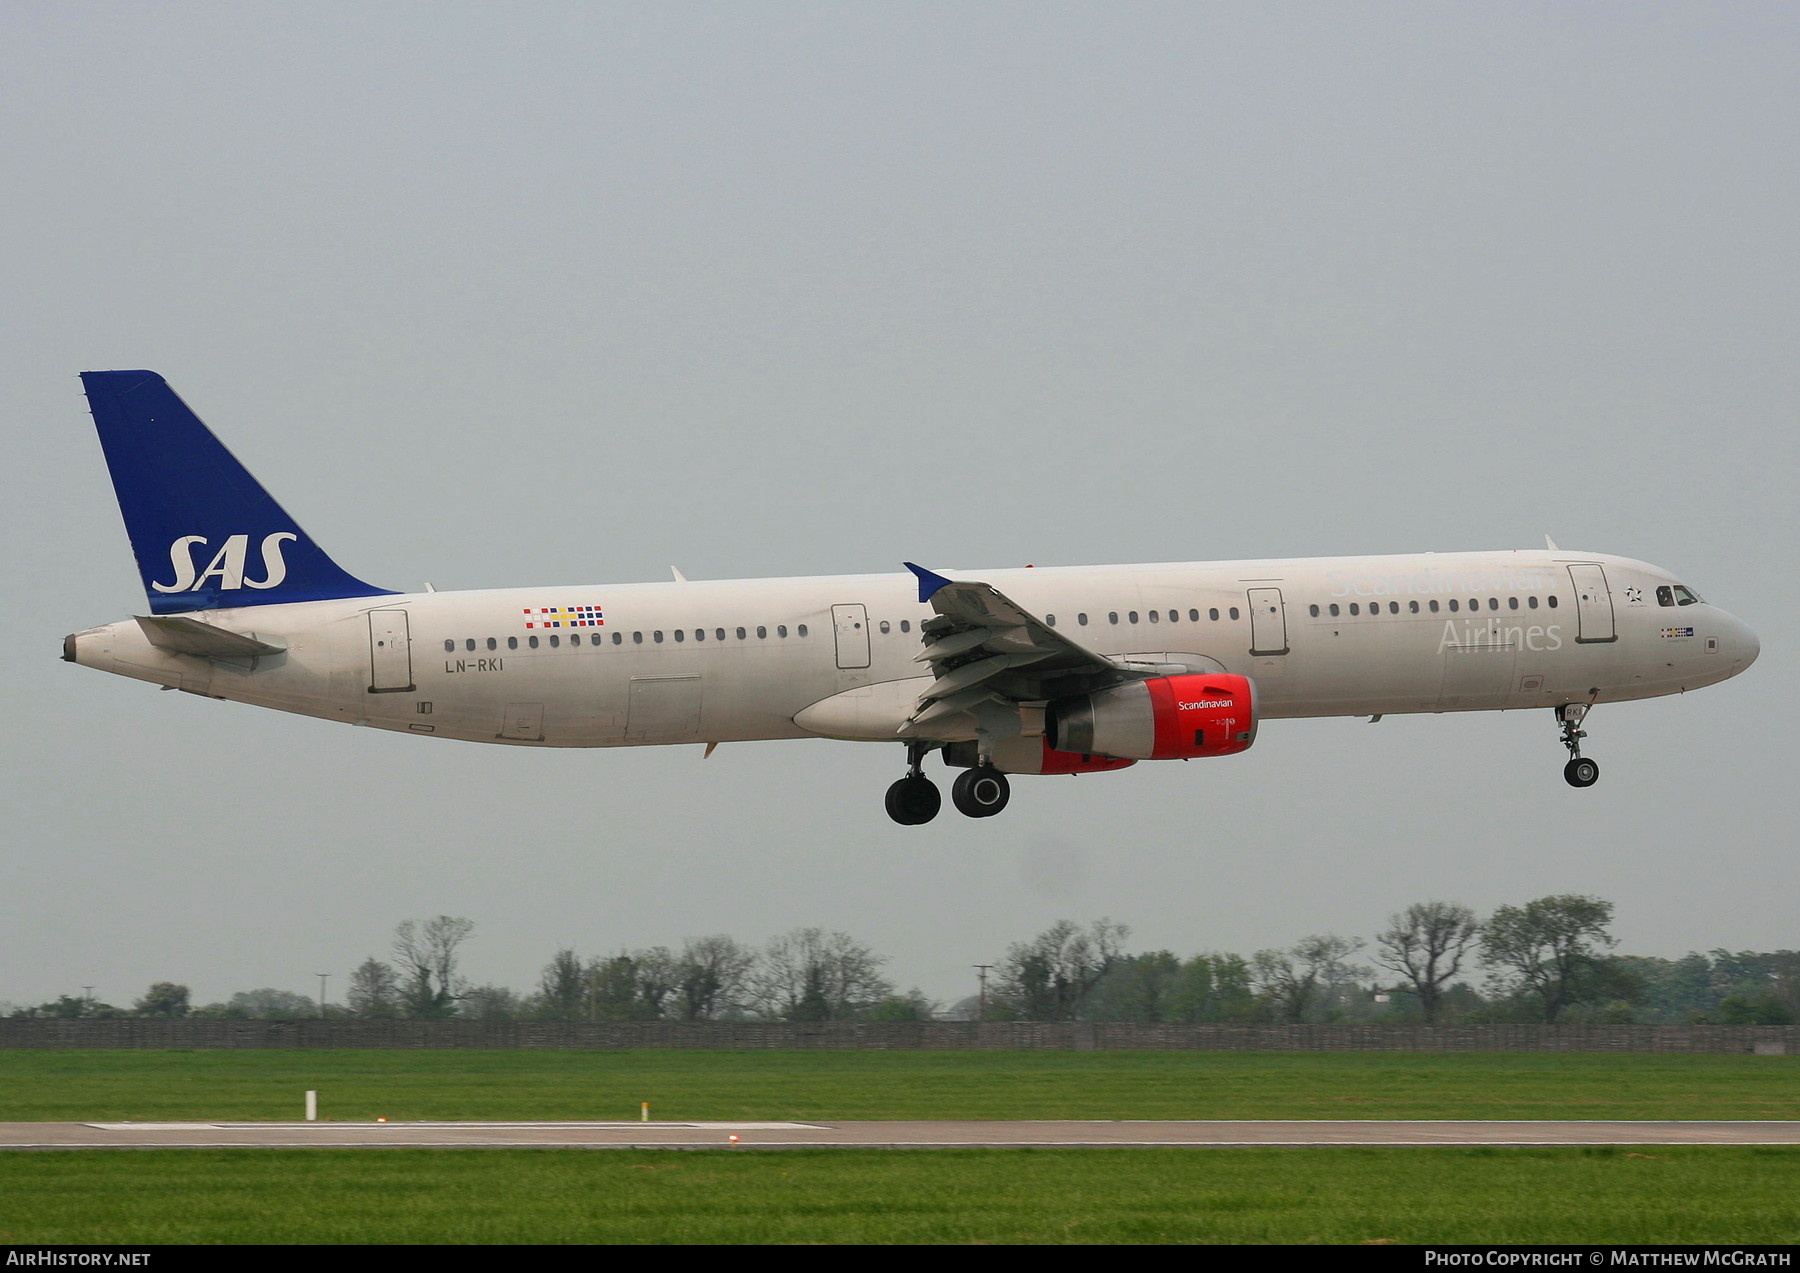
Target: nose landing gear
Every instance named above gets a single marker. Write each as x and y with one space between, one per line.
1580 771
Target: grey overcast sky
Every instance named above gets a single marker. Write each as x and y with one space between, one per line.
532 293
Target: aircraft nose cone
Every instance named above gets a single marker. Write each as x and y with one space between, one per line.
1748 647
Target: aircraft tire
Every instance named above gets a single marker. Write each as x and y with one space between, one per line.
913 801
1581 773
981 792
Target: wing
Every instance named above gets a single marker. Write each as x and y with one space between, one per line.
990 658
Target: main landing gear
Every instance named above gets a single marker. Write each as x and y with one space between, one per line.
980 792
914 799
1580 771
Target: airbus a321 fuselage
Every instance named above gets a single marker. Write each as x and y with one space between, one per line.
1045 670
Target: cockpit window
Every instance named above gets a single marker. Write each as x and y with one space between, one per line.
1685 597
1665 595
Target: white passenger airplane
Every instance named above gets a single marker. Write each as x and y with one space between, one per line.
1062 670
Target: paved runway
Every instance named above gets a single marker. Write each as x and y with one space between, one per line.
910 1135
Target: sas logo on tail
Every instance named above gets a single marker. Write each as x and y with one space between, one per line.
227 565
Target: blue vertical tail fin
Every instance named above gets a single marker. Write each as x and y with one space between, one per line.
205 533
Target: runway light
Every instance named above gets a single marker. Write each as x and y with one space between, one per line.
381 1120
734 1138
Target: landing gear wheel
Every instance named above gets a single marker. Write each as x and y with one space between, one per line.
1580 771
913 801
980 792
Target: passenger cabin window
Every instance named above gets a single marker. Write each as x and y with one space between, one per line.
555 641
1334 611
450 645
493 644
1413 606
1234 612
532 642
741 634
800 631
512 643
1081 619
1213 614
1112 616
1132 617
884 626
1313 610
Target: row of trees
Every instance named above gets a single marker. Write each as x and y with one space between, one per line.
1548 960
809 974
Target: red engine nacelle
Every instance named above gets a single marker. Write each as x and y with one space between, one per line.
1164 718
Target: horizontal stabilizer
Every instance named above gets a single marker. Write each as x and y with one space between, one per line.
190 636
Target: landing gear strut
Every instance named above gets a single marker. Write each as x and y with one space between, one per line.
914 799
1580 771
980 792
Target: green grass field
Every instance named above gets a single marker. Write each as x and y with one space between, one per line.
1338 1195
1125 1195
681 1085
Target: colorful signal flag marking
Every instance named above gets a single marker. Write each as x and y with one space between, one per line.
564 617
